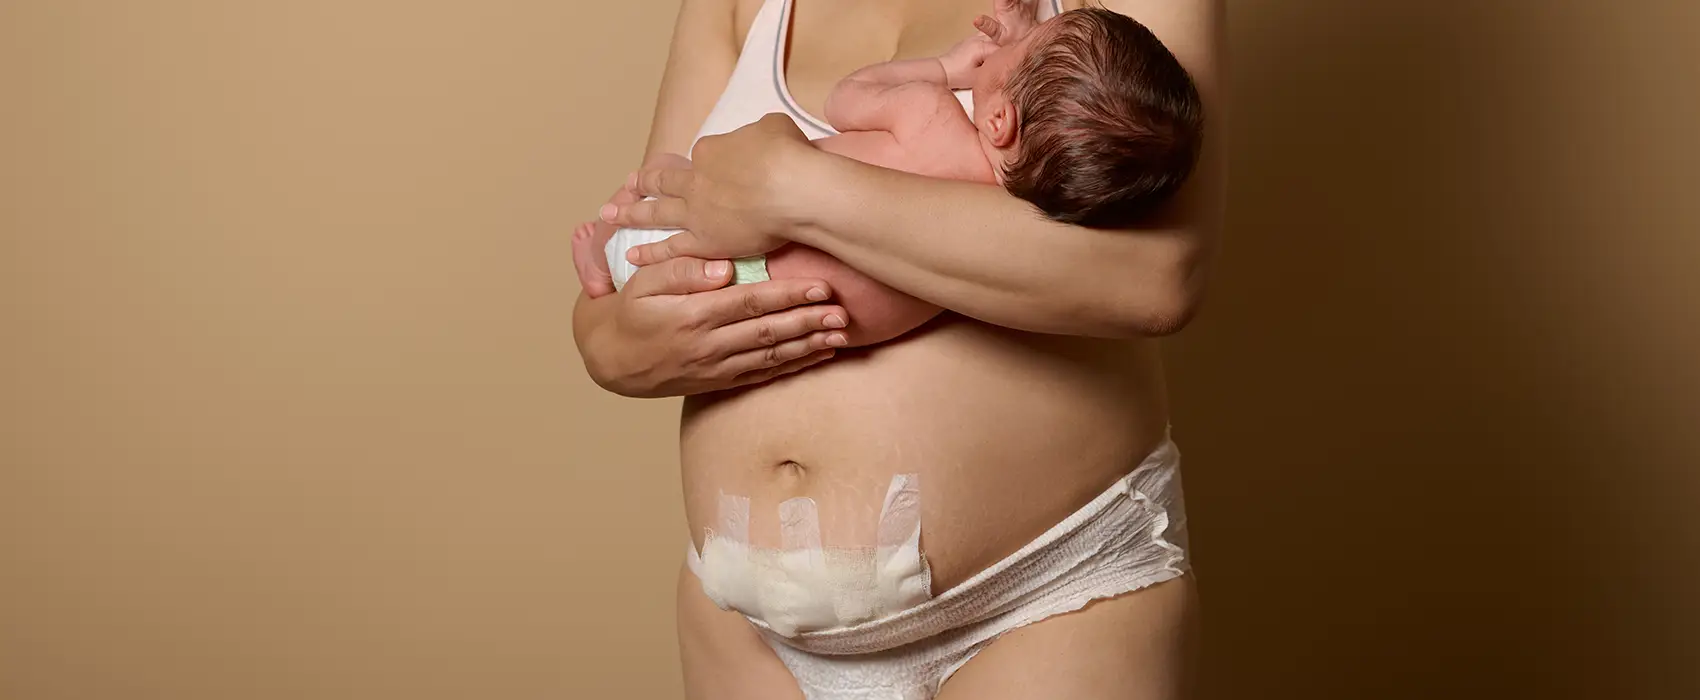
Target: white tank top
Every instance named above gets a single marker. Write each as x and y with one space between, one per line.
758 88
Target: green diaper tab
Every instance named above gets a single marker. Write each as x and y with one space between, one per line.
750 270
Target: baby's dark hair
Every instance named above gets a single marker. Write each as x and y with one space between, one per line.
1109 123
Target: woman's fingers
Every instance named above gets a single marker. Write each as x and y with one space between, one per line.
774 356
662 182
624 196
778 341
649 213
783 327
771 373
750 301
680 276
682 244
989 27
668 160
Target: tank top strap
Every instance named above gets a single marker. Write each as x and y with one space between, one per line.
757 86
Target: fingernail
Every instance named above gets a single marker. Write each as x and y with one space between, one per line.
836 340
608 212
718 269
816 294
631 181
833 321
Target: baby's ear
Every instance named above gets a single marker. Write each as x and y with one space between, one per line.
1000 123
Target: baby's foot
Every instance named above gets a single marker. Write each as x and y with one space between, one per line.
589 259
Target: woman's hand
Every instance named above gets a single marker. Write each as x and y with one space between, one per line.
732 200
591 238
676 331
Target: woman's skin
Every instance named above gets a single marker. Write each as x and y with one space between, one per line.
1043 386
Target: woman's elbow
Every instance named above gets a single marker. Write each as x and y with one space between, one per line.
589 323
1153 319
1171 317
1154 311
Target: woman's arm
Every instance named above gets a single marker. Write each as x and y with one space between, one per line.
700 60
980 252
970 248
677 330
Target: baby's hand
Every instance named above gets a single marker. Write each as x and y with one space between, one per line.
962 62
1011 20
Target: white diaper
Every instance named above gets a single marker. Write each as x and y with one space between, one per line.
1131 536
744 270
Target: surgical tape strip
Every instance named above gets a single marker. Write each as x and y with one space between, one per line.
802 585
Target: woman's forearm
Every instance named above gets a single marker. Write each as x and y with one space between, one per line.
590 316
980 252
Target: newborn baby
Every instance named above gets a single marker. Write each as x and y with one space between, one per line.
1087 116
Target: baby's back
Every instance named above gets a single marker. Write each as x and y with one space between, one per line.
929 137
937 141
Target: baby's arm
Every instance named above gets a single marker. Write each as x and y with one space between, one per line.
887 96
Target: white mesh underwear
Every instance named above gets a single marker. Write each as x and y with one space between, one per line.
1131 536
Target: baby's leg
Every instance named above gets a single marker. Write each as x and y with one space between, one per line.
589 239
877 312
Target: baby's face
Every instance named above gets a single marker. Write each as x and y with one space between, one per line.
994 73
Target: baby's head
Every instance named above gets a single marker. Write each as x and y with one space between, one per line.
1090 118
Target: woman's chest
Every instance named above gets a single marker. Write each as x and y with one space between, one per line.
830 39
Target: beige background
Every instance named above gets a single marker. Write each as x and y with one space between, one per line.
289 406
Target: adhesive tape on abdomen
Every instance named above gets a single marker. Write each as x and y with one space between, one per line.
803 586
904 577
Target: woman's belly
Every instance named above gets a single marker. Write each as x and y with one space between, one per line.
1009 433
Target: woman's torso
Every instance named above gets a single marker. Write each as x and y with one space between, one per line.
1009 431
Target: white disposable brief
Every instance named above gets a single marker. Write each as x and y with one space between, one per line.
744 270
905 643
